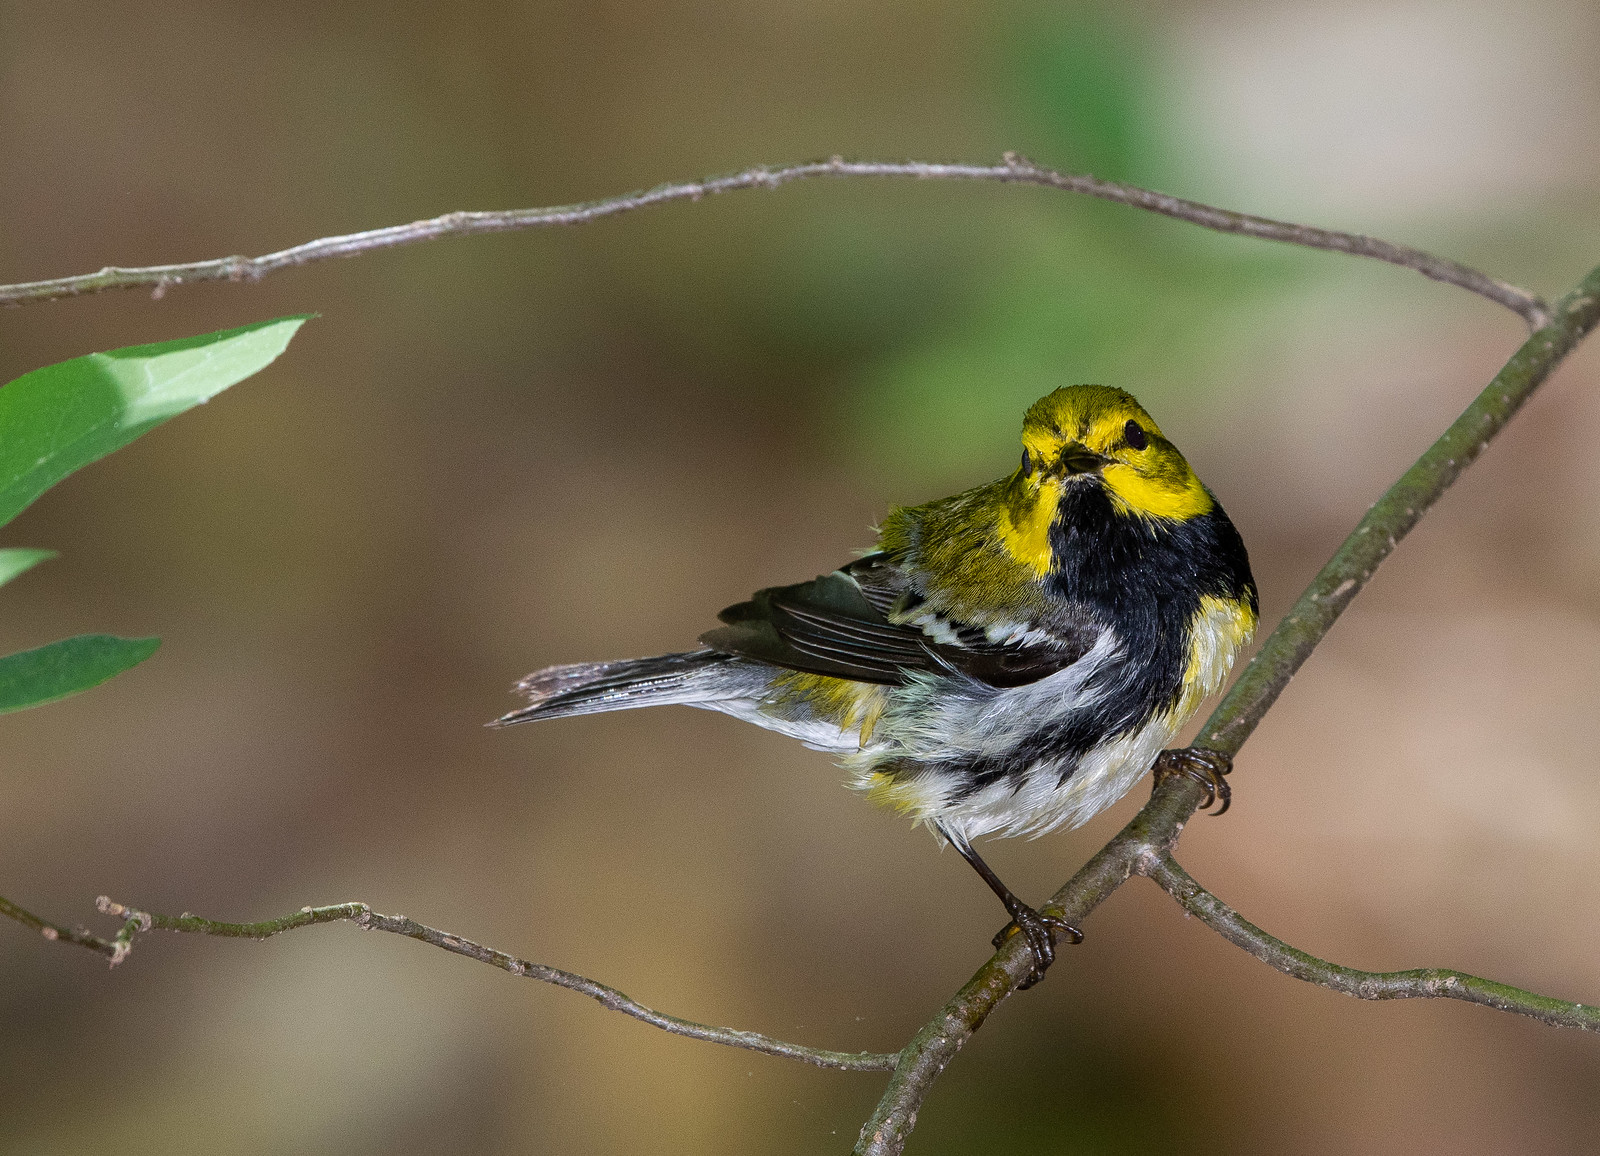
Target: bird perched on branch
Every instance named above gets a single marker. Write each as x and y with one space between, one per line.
1006 661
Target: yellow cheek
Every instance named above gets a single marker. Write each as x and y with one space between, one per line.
1141 495
1026 532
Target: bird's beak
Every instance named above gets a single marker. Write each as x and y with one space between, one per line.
1078 458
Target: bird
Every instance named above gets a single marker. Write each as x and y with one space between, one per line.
1006 661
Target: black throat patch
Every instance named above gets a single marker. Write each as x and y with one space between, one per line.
1142 578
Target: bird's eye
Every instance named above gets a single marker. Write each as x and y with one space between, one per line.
1134 433
1027 464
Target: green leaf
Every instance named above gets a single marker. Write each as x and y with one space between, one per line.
60 418
18 559
32 677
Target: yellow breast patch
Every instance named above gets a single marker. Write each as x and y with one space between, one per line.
1219 630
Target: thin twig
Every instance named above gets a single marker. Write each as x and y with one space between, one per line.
1418 983
135 921
1155 829
1013 170
54 931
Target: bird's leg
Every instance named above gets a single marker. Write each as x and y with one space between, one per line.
1203 766
1039 929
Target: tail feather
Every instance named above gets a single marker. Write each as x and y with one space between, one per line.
592 687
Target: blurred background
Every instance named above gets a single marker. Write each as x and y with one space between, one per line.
494 454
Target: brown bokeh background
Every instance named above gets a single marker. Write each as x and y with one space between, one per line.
493 454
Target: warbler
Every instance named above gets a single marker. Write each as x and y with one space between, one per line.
1006 661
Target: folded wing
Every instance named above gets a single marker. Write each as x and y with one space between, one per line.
838 625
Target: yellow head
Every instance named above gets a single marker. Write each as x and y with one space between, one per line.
1081 432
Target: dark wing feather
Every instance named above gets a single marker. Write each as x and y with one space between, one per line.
817 639
882 583
837 625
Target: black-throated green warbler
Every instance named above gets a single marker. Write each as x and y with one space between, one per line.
1008 660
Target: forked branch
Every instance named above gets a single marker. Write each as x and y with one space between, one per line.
1012 170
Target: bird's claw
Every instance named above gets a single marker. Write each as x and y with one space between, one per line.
1040 930
1205 767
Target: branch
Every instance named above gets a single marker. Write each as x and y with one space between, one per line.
933 1047
1393 515
135 921
1419 983
55 931
1013 170
1150 836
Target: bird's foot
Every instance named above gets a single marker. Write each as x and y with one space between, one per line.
1205 767
1040 930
